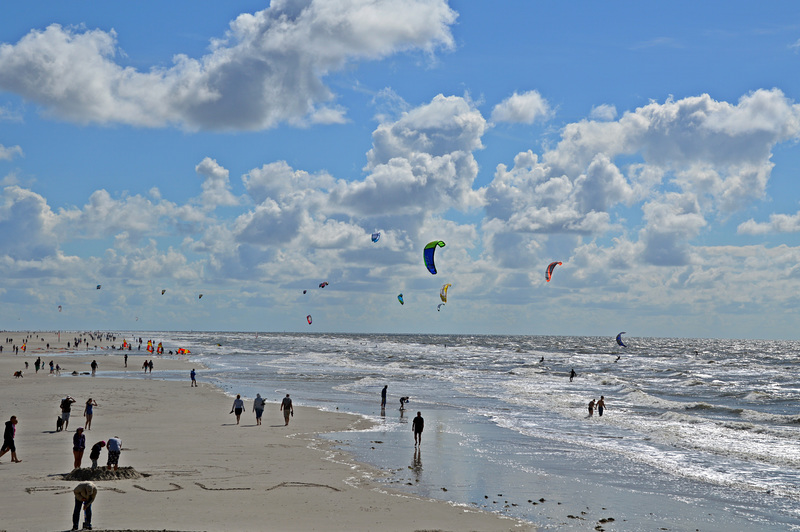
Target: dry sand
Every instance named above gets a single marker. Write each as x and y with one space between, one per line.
201 472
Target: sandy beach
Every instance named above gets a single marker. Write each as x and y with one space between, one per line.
200 471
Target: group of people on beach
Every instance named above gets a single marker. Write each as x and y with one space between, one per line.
259 403
113 446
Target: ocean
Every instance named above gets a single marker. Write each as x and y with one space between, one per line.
698 434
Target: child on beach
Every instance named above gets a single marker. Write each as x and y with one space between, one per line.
94 455
8 439
403 401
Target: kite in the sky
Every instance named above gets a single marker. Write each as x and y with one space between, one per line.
323 284
400 299
200 296
304 291
162 292
619 339
376 236
443 292
439 307
428 252
59 308
550 269
308 319
98 286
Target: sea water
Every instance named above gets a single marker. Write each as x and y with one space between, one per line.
698 434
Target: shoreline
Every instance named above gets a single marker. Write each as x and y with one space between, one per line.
204 472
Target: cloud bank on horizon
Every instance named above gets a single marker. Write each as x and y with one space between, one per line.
626 199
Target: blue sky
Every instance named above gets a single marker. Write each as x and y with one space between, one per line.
246 151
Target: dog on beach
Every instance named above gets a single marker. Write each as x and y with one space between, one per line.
59 424
18 374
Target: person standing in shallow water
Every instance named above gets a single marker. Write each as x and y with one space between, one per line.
601 405
383 396
572 374
417 426
591 408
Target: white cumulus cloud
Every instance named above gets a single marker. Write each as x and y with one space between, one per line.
525 108
267 69
8 153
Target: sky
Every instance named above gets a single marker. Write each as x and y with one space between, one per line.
246 151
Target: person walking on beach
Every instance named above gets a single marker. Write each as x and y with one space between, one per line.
94 367
8 439
126 358
88 412
193 375
37 364
417 426
114 447
85 493
591 408
150 365
78 446
383 396
258 407
288 409
601 405
145 365
94 454
572 374
238 407
66 408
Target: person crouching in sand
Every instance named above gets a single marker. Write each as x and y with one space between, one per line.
85 492
114 446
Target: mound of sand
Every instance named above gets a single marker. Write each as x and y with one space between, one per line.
84 473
